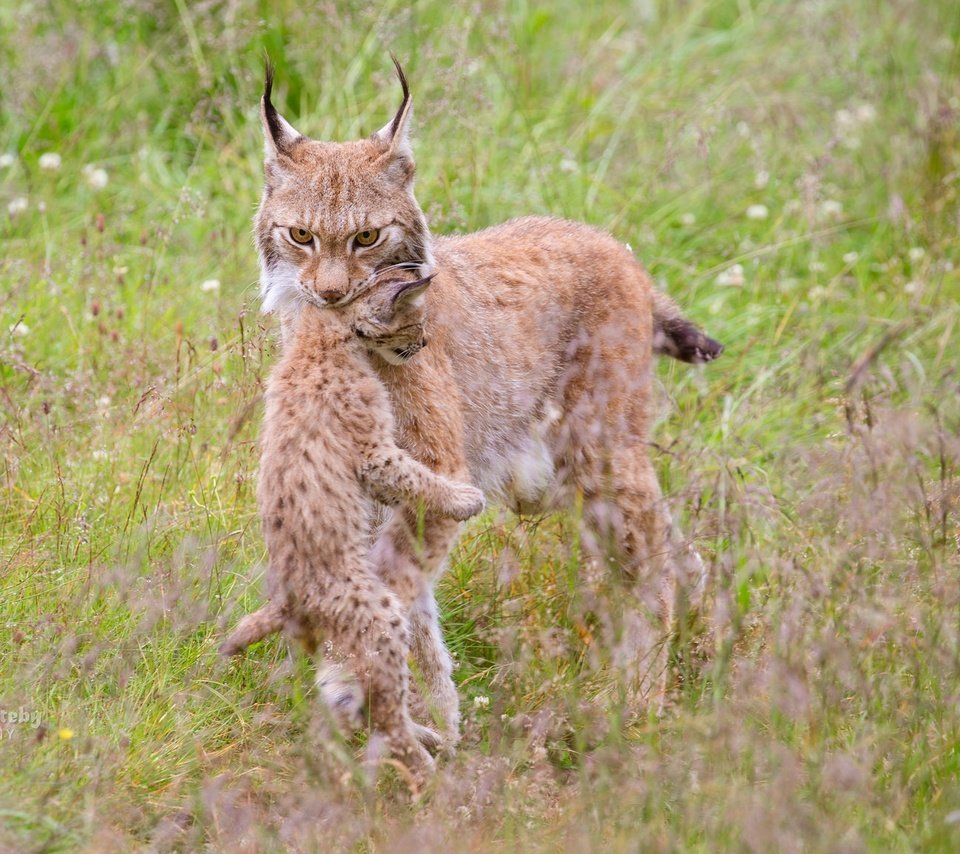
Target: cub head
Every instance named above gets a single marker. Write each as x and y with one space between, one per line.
390 317
334 215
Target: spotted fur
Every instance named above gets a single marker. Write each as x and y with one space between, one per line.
327 454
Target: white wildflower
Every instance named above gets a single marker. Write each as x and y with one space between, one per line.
817 267
210 286
103 403
17 205
743 129
95 176
844 120
851 257
20 328
732 276
831 209
481 701
688 219
761 179
916 253
866 113
911 287
757 212
7 160
569 165
50 161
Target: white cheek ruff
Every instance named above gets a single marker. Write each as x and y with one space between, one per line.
278 287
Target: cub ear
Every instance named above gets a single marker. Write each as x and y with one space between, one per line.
410 292
278 134
395 135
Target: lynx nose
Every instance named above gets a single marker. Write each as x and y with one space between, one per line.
328 279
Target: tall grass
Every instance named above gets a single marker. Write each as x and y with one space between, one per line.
788 171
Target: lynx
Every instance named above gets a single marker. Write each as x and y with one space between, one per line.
327 452
535 383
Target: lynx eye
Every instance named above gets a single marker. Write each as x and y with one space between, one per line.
367 237
301 236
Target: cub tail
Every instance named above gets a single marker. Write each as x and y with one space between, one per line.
252 628
675 336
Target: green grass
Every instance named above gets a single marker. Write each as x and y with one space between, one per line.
816 463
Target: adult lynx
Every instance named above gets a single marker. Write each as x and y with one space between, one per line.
536 382
327 451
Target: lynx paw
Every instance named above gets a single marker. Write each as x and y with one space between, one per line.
465 501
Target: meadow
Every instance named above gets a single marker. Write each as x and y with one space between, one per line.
788 171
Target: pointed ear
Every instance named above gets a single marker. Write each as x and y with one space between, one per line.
278 134
396 135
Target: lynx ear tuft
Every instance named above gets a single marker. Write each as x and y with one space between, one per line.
279 134
396 134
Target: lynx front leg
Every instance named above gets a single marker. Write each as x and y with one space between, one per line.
410 562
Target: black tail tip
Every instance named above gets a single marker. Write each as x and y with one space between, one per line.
681 340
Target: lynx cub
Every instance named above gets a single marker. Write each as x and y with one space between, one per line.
537 381
327 453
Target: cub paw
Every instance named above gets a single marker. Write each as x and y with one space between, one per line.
466 501
343 696
430 739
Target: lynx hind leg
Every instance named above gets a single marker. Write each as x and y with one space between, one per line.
252 628
630 516
393 476
368 633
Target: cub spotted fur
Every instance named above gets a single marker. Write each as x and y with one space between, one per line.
327 453
536 383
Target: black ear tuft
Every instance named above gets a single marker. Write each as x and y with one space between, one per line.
398 118
270 114
267 78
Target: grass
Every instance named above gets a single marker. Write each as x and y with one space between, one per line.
816 463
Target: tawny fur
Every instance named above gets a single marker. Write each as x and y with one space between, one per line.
327 454
536 381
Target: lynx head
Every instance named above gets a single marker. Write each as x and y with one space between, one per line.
334 215
390 317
